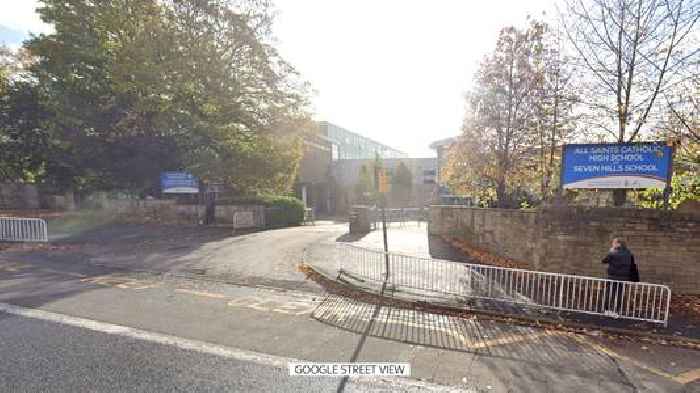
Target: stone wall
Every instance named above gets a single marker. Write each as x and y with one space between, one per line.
18 196
573 240
169 211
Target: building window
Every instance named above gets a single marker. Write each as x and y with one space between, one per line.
428 181
429 172
334 152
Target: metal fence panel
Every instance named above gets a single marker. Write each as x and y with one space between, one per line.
14 229
578 294
400 215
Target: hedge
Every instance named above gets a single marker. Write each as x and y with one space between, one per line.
281 210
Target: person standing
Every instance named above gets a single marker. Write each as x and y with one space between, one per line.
621 267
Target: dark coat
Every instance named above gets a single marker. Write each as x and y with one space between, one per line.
621 265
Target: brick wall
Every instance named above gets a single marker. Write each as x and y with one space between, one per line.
573 240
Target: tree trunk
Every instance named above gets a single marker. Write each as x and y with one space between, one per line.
619 196
501 197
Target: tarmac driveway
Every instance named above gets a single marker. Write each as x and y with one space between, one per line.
265 258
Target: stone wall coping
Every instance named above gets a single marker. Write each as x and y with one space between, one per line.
484 208
622 211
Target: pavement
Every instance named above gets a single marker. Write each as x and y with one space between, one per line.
57 353
132 323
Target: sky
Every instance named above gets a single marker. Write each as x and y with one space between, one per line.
395 71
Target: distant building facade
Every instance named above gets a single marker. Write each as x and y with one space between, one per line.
423 190
324 150
313 186
347 145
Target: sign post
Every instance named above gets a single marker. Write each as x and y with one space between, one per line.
179 183
382 184
669 188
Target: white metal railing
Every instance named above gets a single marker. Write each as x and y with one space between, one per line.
400 215
13 229
578 294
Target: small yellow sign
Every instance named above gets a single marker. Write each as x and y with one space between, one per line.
383 182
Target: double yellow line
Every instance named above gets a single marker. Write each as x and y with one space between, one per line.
682 378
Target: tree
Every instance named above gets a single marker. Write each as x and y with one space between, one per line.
685 183
4 71
141 86
496 147
553 103
684 106
633 51
402 185
14 64
24 143
23 140
364 189
470 170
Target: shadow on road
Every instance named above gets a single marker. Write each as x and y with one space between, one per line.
542 350
263 258
350 237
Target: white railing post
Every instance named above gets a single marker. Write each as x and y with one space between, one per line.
586 295
13 229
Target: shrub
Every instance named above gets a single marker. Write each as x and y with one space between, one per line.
283 210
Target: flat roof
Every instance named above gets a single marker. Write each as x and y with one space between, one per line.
443 142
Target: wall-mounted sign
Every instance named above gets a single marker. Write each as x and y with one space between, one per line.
216 187
178 183
616 165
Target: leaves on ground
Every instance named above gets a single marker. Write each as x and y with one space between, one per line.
687 306
43 214
484 257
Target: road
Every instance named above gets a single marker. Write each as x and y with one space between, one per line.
130 323
49 356
57 353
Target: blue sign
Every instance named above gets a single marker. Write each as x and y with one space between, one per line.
616 165
179 183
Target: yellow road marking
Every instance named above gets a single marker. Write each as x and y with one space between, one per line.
121 283
102 280
261 306
433 325
17 266
682 378
76 275
289 307
393 319
201 293
688 376
14 266
510 339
